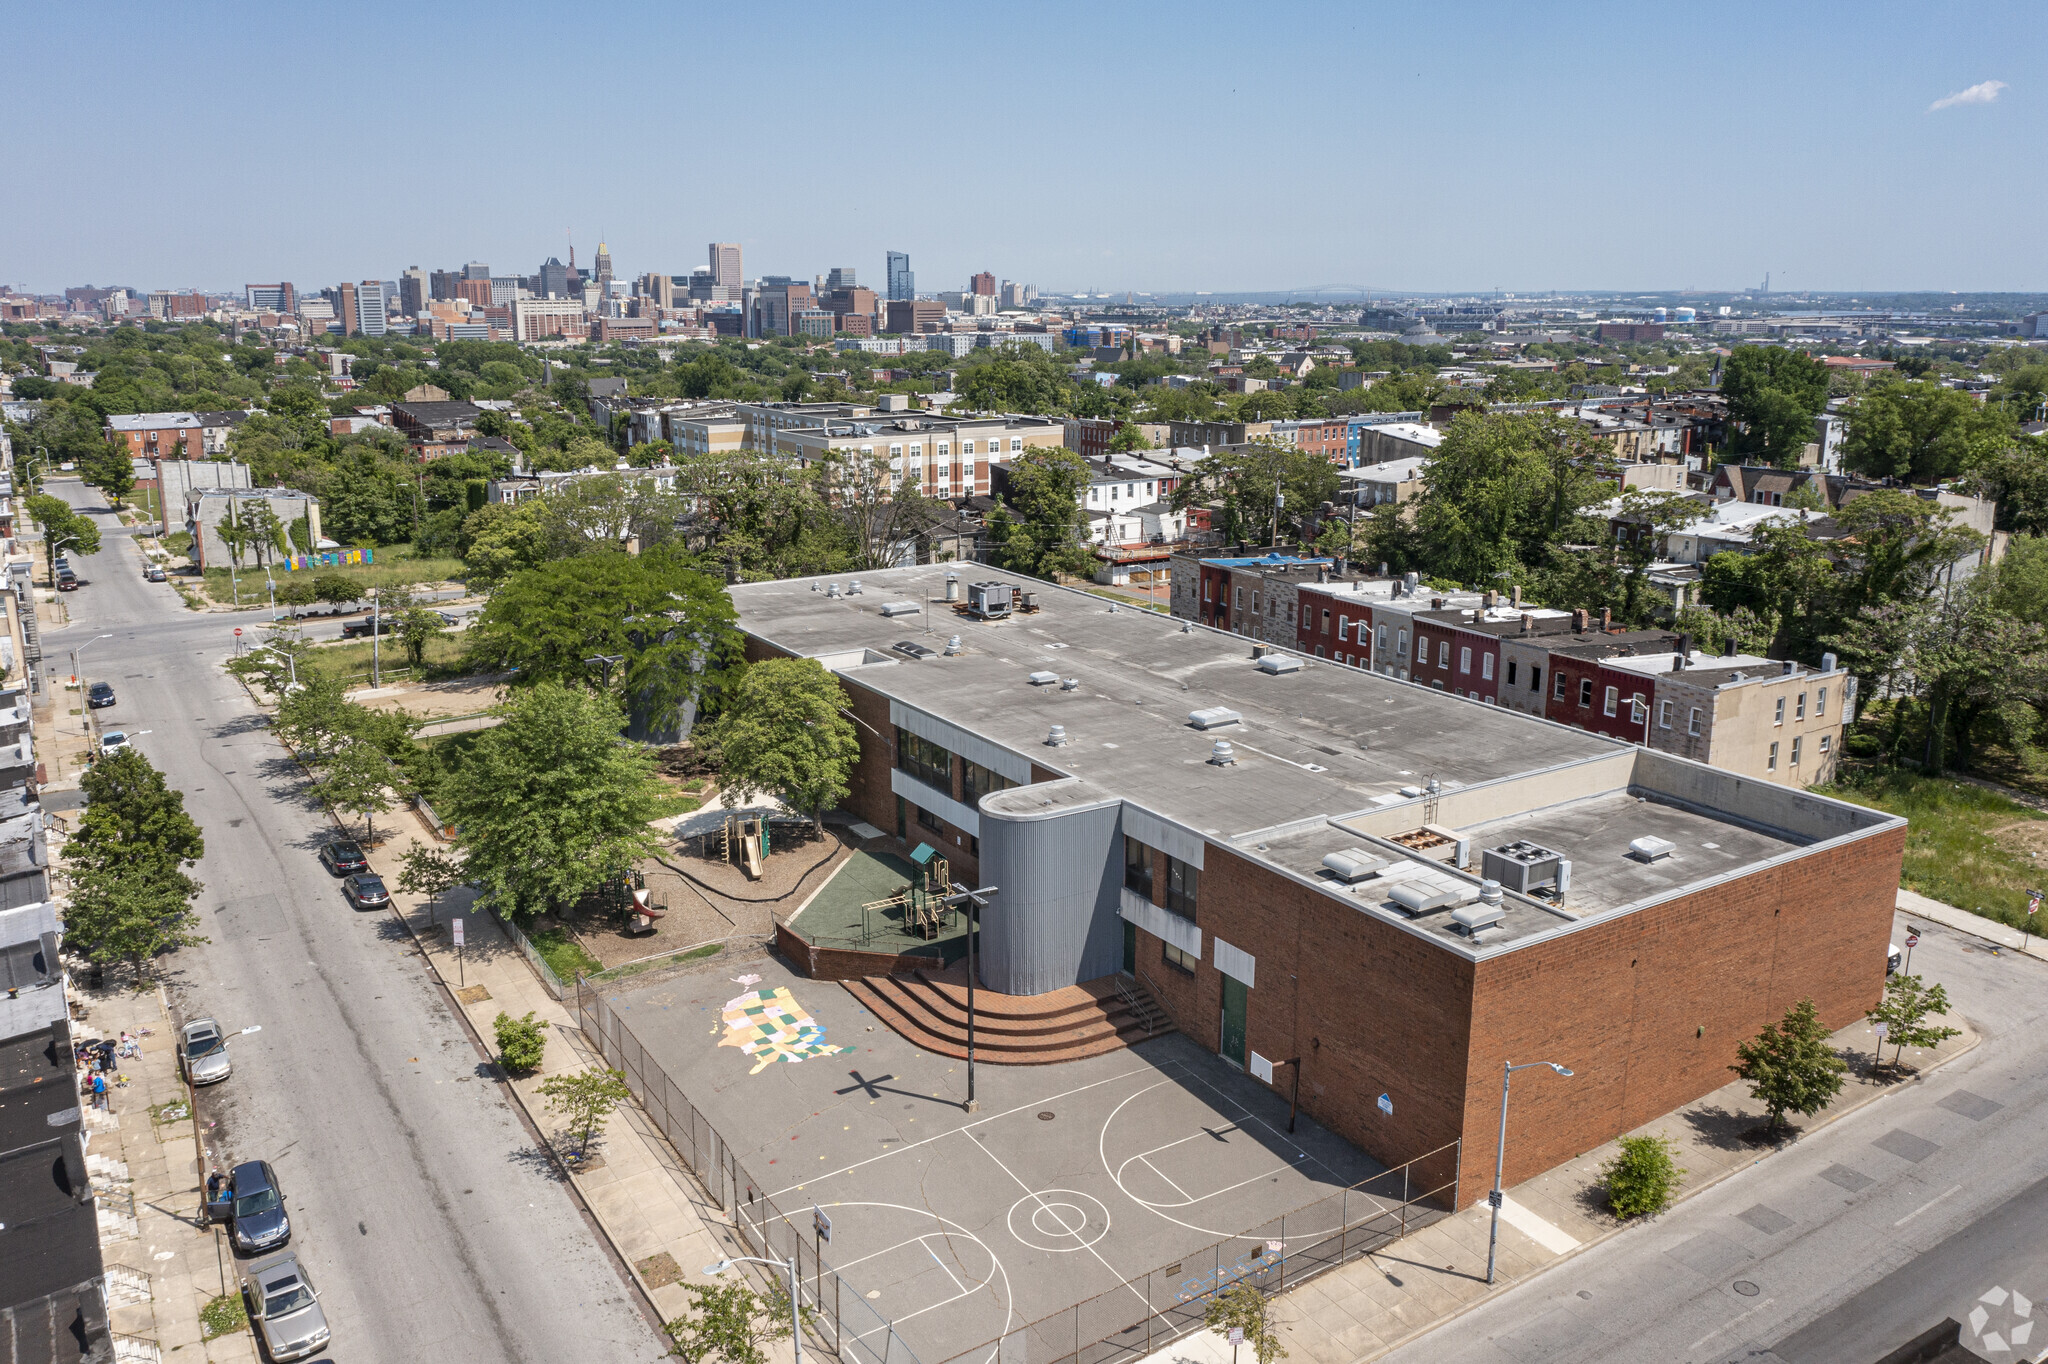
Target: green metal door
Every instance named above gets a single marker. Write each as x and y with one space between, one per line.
1234 997
1130 948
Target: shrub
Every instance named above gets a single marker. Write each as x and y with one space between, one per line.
223 1315
1641 1178
521 1041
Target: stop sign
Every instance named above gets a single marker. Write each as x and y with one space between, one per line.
238 630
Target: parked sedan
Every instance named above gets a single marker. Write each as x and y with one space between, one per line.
203 1052
365 891
255 1208
67 581
155 574
285 1307
100 694
344 857
113 741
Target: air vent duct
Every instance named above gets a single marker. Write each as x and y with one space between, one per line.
1279 663
1070 684
1056 737
1214 717
900 608
1650 849
1353 864
1043 678
953 646
1223 755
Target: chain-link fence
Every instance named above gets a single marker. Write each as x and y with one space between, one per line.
1126 1323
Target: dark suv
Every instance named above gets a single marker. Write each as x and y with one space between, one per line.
99 695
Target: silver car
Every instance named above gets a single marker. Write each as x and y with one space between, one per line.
203 1051
285 1307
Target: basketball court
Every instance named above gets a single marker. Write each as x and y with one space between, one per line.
1084 1209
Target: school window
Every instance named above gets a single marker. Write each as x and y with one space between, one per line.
966 447
1772 764
924 760
1137 867
1465 660
1486 666
1185 961
1692 721
1796 741
1557 690
1585 691
1663 715
1443 654
1182 880
1016 444
1799 708
1820 704
1608 707
927 820
977 781
1778 717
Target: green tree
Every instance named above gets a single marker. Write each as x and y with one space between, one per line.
1247 479
782 728
732 1325
261 530
1894 545
672 626
1923 432
502 539
133 817
428 871
112 471
1244 1308
1653 514
1642 1176
416 626
522 1042
1904 1011
1773 395
316 715
63 528
550 803
337 589
1503 492
1129 436
1790 1066
585 1099
130 914
355 777
2016 477
1045 531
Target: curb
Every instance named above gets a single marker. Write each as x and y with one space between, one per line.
1612 1232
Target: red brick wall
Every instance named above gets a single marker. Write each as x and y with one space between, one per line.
1622 1003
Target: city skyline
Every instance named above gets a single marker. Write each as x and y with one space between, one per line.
1625 152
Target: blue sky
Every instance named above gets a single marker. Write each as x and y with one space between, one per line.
1107 145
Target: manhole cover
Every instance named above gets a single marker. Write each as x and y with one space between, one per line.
1045 1116
1746 1288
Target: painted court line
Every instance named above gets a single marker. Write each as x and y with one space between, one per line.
1551 1237
964 1289
1163 1175
966 1127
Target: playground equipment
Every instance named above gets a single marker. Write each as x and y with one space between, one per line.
640 918
921 905
743 839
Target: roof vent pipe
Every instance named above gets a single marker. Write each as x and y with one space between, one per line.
831 589
1187 627
952 587
1223 755
1489 893
853 588
1056 737
1070 684
953 646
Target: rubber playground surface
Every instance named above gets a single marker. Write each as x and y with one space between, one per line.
960 1230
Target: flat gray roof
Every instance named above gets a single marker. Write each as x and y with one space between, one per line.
1322 744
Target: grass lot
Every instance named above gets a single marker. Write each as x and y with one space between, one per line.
563 954
1965 846
396 564
177 542
1128 597
445 654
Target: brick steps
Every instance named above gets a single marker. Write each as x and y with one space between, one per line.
929 1010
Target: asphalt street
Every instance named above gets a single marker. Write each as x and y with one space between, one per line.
432 1225
1925 1204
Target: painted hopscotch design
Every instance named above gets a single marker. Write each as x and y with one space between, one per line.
770 1026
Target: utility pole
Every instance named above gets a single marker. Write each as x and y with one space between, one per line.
376 657
1500 1150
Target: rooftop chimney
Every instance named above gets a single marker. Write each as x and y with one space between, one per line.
1528 623
1606 620
1517 594
1729 651
1684 654
1436 603
1579 617
1790 667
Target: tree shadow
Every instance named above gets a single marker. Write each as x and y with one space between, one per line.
538 1160
1721 1128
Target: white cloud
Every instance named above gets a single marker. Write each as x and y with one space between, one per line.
1981 93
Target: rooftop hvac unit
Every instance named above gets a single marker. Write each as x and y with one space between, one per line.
900 608
1043 679
1213 717
990 601
1279 663
1521 866
1651 849
1426 897
1487 913
1353 864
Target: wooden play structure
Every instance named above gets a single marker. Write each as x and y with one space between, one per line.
921 906
742 839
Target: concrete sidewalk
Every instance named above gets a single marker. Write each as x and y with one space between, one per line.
144 1158
1991 930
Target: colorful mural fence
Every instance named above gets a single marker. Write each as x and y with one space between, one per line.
334 558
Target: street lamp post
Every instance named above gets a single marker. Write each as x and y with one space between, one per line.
376 657
84 702
973 901
796 1325
1500 1151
